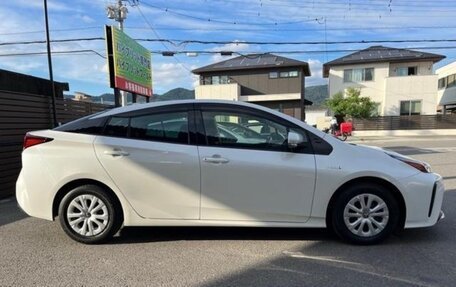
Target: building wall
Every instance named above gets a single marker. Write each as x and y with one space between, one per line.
373 89
228 92
423 88
446 96
257 82
389 91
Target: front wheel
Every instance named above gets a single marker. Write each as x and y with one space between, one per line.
365 214
89 215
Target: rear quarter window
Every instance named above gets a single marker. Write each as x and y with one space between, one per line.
85 125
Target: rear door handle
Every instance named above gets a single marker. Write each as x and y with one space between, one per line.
216 159
116 152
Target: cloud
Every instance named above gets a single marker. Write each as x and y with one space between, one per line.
316 71
167 76
239 46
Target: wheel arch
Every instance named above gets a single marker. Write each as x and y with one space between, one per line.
369 179
79 182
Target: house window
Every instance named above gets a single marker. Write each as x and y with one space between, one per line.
224 80
442 83
293 74
409 108
358 75
284 74
273 75
207 81
406 71
451 81
215 80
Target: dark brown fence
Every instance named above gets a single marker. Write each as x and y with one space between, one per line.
417 122
20 113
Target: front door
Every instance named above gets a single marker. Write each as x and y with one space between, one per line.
248 172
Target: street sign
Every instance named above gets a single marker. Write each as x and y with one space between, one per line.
129 63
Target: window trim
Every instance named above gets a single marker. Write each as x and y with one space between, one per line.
186 107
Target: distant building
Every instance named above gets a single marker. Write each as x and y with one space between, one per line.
447 88
21 83
265 79
401 80
82 97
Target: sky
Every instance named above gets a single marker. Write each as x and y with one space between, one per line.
235 21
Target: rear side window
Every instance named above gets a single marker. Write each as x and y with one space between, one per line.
85 125
117 127
166 127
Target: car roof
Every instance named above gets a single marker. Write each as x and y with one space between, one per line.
138 107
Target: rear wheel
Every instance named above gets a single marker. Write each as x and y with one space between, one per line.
365 214
89 215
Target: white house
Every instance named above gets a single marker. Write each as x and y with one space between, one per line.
402 81
447 88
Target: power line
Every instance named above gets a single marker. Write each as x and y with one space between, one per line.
160 40
72 52
180 42
257 53
211 20
52 41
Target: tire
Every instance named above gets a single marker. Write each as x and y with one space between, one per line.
95 217
358 225
343 137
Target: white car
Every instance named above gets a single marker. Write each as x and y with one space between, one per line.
134 166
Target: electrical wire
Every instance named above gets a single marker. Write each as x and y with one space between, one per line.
161 40
72 52
210 20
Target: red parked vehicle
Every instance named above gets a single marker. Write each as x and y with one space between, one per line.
345 130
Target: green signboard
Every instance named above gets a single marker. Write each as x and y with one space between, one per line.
129 63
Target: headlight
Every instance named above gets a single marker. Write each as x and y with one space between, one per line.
419 165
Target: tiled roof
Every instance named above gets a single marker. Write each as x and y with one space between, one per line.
378 54
254 61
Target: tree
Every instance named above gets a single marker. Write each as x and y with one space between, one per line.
352 105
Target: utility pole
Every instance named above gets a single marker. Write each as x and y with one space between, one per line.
51 76
118 13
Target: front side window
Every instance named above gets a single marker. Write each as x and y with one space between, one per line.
409 108
239 130
166 127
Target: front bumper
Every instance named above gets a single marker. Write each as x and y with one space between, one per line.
424 201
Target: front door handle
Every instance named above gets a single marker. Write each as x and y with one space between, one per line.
216 159
116 152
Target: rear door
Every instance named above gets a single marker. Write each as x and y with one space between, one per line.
151 159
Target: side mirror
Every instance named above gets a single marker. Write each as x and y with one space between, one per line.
294 139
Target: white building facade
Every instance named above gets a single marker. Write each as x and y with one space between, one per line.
401 81
447 88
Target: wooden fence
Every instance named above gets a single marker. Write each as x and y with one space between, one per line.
416 122
20 113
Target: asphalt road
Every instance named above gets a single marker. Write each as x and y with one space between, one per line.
37 252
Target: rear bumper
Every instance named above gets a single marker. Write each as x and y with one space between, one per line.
35 204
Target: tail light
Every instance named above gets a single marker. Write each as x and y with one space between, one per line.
31 140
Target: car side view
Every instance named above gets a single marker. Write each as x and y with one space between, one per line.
218 163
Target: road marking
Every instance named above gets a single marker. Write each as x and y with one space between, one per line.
321 258
359 267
